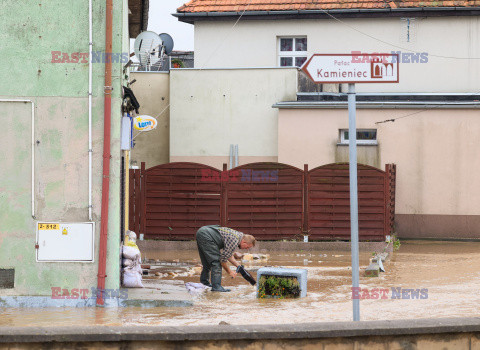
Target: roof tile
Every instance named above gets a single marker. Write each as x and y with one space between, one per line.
195 6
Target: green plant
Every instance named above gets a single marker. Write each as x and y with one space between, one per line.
278 287
178 63
396 243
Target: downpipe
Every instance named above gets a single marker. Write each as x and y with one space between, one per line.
90 68
102 260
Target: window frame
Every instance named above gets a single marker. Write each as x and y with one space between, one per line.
344 141
293 54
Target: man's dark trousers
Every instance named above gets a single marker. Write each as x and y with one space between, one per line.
209 243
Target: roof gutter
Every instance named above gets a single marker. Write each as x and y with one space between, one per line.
190 17
375 104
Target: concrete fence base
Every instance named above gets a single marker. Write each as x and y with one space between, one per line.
272 246
455 333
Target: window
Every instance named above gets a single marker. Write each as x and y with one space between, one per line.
364 136
292 52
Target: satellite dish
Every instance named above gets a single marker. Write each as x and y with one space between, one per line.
148 48
167 42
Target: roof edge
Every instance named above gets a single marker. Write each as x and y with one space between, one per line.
190 17
376 105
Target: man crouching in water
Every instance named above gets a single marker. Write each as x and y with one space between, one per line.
216 245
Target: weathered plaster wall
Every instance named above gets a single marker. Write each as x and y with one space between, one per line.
368 155
211 109
152 90
218 161
59 91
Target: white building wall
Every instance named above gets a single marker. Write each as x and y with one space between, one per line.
211 109
253 43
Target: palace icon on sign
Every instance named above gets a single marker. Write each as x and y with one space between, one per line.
381 69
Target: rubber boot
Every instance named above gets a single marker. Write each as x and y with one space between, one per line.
217 283
204 277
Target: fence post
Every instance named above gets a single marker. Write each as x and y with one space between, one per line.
306 228
131 200
392 179
386 200
143 199
224 176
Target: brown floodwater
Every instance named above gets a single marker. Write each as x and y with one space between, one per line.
446 272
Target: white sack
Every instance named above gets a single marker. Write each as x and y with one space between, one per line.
131 253
132 279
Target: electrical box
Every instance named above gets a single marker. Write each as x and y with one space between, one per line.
66 242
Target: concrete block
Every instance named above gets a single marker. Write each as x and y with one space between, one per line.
372 270
379 261
300 274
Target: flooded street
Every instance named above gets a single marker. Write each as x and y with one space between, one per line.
448 270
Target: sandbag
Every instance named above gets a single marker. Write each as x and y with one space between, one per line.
132 236
132 253
131 239
128 262
135 267
132 279
131 244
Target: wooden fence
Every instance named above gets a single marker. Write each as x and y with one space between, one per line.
269 200
328 211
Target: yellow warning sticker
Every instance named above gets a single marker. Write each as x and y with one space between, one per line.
49 226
